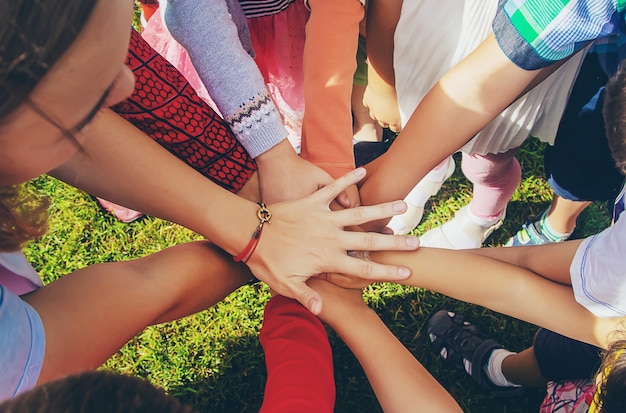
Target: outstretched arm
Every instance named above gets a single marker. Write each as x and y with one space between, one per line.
205 29
380 95
508 288
550 261
329 64
299 360
121 164
239 91
88 315
400 382
465 99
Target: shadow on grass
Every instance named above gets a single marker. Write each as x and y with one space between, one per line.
238 386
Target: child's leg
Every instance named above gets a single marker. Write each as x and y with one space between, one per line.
562 358
495 178
522 369
552 357
579 166
419 195
364 127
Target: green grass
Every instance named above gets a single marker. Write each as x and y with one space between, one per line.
213 360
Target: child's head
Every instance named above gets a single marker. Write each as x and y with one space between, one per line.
61 61
611 394
615 117
22 217
94 392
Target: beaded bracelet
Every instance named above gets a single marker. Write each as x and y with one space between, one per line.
264 215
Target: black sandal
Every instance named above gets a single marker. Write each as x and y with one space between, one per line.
464 347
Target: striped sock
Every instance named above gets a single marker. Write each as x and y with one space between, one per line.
543 226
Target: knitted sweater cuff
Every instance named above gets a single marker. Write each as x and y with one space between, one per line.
257 125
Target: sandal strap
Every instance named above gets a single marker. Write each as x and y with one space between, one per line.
536 237
479 359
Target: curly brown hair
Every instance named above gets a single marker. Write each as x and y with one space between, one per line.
34 34
611 395
23 217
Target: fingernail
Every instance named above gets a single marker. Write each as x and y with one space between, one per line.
316 307
399 206
413 242
359 171
404 272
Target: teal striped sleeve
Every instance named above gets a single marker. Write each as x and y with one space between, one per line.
536 33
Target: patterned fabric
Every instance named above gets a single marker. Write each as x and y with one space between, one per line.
257 8
165 107
611 50
204 28
568 397
536 33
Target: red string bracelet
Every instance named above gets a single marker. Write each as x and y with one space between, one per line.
264 215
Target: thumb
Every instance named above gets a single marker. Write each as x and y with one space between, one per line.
308 297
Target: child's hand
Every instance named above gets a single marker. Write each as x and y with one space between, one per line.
338 301
284 176
380 97
344 281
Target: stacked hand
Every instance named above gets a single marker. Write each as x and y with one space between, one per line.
313 240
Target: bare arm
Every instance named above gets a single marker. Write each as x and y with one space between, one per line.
400 382
380 95
469 96
88 315
551 261
504 288
120 163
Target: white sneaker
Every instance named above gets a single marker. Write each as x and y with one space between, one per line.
461 232
405 223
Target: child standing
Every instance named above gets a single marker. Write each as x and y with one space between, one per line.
579 167
488 160
505 65
598 285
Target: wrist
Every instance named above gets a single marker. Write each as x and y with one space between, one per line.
264 215
337 320
276 155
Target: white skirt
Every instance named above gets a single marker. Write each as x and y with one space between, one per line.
433 35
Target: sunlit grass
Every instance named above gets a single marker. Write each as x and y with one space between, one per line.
213 360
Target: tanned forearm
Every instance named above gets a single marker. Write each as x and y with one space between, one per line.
504 288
